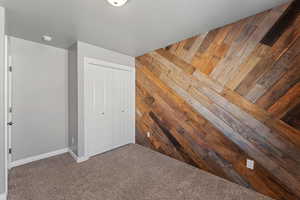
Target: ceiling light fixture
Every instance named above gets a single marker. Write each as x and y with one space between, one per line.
117 3
46 38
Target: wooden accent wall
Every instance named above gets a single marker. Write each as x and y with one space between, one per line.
218 98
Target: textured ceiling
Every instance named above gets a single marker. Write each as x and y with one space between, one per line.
137 28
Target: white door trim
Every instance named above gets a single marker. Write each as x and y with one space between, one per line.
76 158
6 118
8 98
103 63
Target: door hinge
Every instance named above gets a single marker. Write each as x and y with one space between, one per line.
10 68
10 123
10 150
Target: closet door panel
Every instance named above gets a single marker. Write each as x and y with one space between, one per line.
97 123
125 122
116 107
121 107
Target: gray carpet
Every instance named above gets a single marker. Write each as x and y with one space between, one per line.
129 173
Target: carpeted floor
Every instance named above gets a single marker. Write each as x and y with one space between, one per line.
129 173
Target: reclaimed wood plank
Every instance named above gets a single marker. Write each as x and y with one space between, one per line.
286 102
293 117
239 51
282 24
194 48
249 41
246 88
263 116
177 64
165 58
245 69
282 86
277 71
215 50
260 129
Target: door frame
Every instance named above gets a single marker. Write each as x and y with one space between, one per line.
102 63
7 103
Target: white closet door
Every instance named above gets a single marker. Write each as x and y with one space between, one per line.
121 107
107 108
97 113
115 107
125 102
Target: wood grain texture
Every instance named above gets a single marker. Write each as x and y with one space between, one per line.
287 102
218 98
293 117
281 87
285 21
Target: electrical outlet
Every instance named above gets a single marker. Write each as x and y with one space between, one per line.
250 164
148 134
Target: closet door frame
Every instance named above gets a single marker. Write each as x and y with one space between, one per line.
101 63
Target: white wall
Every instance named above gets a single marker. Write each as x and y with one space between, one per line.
39 98
2 107
73 98
90 51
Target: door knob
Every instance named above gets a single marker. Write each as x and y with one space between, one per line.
102 113
10 123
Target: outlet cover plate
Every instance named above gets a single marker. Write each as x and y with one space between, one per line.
250 164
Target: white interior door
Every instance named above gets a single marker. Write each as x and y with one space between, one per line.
96 109
38 99
107 108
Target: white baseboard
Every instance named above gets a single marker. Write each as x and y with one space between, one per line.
3 196
38 157
76 158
